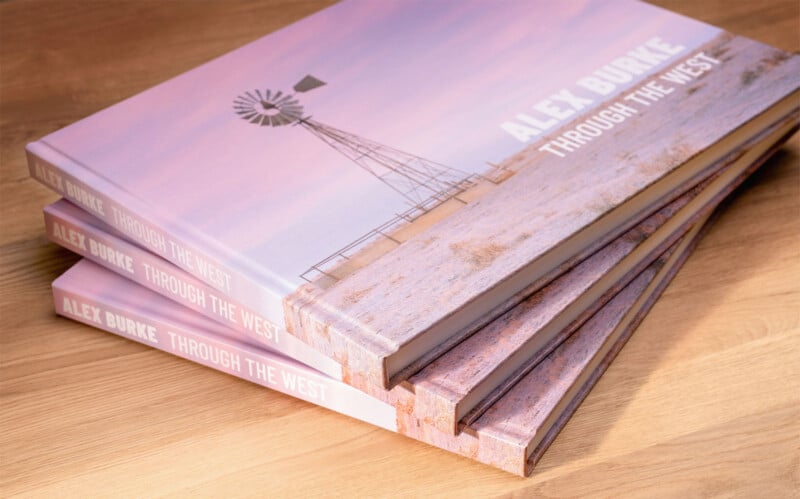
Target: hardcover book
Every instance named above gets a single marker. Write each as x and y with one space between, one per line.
511 436
354 180
84 234
460 385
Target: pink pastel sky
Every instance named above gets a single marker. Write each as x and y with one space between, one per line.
434 78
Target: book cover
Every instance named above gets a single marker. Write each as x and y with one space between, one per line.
532 413
355 180
459 386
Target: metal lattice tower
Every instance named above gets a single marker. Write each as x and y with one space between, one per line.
423 183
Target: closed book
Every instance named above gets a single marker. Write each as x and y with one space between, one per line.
78 231
459 386
511 436
355 180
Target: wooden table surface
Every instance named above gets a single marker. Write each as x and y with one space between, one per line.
704 399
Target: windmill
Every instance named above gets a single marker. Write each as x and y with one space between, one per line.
423 183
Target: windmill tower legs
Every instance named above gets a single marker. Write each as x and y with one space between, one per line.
423 183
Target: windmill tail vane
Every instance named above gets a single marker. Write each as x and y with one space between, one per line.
308 83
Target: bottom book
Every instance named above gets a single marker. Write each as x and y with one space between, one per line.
512 435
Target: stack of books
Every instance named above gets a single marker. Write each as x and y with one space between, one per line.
444 219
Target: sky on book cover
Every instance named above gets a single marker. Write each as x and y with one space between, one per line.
435 79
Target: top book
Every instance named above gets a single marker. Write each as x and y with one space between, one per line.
383 178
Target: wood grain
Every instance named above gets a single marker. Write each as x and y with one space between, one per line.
704 399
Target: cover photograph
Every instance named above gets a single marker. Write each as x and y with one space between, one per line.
357 181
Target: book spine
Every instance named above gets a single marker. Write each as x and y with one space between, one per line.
189 250
66 228
243 361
